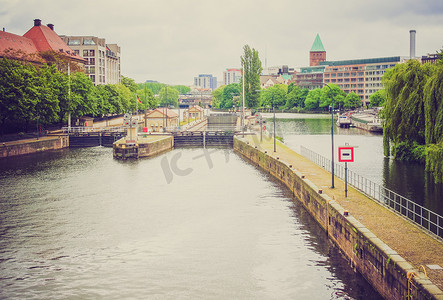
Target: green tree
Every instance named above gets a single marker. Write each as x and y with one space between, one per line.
182 89
312 101
168 96
404 117
296 96
337 94
229 93
377 99
352 100
217 96
129 83
252 69
83 99
274 96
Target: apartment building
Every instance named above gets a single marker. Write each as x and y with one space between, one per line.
231 76
310 78
205 81
102 60
361 76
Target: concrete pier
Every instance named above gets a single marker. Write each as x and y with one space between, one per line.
395 256
146 146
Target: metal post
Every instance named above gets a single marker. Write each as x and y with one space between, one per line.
261 128
273 108
346 179
332 134
146 108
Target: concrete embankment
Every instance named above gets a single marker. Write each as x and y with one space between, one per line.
29 146
386 249
147 146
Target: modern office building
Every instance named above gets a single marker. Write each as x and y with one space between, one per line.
361 76
310 78
205 81
103 60
231 76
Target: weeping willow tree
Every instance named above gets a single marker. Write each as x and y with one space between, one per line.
434 118
413 114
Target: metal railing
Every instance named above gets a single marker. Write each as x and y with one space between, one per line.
83 129
420 215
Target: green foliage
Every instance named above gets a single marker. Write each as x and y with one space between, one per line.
182 89
296 96
217 96
274 96
337 94
413 114
378 98
352 100
313 99
168 96
252 69
30 93
229 93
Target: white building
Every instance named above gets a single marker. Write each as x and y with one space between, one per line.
231 76
103 60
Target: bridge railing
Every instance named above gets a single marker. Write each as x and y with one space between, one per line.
83 129
421 216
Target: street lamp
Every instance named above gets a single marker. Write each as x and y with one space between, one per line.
273 109
332 134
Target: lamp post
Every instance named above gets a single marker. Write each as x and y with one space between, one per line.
332 134
273 109
146 107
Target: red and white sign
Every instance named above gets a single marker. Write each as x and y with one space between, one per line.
346 154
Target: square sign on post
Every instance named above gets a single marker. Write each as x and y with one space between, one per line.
346 154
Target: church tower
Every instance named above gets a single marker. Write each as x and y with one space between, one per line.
317 53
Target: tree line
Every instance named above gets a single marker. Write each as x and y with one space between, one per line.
413 114
288 97
47 94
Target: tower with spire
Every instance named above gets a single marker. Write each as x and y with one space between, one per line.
317 53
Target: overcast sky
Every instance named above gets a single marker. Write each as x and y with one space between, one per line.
172 41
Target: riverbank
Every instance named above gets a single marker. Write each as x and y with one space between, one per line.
387 249
29 146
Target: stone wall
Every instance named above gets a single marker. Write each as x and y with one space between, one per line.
28 147
384 268
154 148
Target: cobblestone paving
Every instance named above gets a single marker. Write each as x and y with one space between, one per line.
409 241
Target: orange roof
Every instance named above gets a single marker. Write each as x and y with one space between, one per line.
39 38
9 41
164 111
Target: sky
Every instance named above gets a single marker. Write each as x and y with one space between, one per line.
173 41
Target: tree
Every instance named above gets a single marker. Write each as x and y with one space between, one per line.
404 117
296 97
168 96
84 99
229 92
129 83
377 99
352 100
274 96
182 89
252 69
217 96
313 99
337 94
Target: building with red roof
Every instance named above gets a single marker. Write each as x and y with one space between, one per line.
38 39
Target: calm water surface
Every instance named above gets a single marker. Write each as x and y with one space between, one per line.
77 224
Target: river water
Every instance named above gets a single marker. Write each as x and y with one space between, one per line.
314 132
190 224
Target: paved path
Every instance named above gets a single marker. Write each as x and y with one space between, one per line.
409 241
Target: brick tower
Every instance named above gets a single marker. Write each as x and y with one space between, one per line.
317 53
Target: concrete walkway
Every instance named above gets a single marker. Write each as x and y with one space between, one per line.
408 240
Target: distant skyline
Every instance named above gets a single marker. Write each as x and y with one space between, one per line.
173 41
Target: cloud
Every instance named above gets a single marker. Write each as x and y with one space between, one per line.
175 40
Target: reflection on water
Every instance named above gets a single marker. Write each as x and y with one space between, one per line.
407 179
79 224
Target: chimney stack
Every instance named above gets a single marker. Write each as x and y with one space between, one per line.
412 43
51 26
37 22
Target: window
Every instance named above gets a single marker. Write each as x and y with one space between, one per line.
92 61
85 53
92 77
88 42
73 42
77 52
91 52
